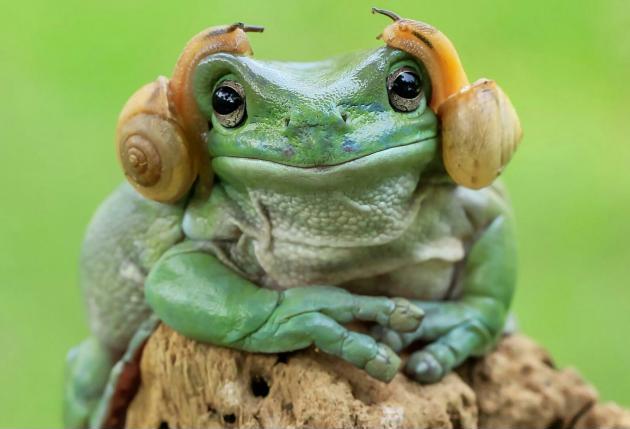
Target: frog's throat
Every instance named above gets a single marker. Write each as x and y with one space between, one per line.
361 172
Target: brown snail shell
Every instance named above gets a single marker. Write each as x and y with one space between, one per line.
480 132
152 148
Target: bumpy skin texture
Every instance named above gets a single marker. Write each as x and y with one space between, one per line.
127 236
329 207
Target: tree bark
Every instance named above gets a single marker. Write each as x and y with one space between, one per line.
188 384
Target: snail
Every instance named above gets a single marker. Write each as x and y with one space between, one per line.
160 130
480 128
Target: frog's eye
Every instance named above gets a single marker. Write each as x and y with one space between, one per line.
228 102
404 87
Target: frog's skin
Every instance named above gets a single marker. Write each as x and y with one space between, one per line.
328 207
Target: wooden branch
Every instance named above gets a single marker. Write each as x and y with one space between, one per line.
187 384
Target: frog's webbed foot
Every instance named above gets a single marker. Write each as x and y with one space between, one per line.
437 359
384 365
103 410
397 314
92 375
453 331
87 369
322 331
457 329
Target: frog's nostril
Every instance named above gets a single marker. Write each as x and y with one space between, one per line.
344 116
287 120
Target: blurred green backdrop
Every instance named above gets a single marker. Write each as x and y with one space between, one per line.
68 66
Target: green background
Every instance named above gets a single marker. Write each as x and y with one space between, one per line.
68 66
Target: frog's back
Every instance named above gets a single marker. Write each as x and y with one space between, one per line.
124 239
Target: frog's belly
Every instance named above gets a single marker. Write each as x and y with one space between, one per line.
419 270
433 280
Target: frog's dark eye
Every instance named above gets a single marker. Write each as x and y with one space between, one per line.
228 102
404 87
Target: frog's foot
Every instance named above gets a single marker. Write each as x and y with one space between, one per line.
437 359
92 376
396 340
454 333
104 415
327 334
439 319
384 365
87 368
406 316
315 316
397 314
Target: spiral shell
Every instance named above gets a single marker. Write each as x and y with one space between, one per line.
141 161
480 132
152 148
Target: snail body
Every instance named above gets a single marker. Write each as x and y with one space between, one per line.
480 128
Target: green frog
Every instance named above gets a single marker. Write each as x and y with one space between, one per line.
274 206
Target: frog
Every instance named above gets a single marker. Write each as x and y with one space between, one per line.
350 204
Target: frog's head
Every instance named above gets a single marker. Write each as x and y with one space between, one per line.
266 116
314 114
400 106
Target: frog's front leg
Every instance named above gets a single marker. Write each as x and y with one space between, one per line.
198 296
470 325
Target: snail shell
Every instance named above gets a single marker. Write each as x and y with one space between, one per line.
480 132
152 148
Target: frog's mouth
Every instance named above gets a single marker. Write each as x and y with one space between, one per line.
358 172
367 201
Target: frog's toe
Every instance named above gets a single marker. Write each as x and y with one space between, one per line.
384 365
388 336
424 367
406 316
76 411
